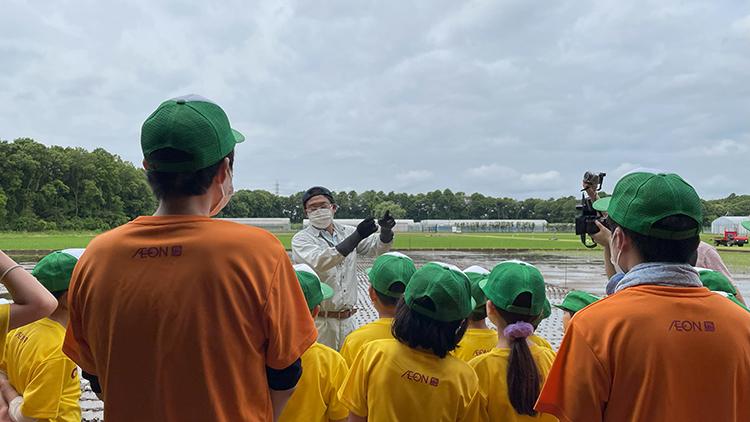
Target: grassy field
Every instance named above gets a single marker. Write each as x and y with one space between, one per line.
19 241
16 241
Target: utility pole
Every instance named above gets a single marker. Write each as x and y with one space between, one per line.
276 188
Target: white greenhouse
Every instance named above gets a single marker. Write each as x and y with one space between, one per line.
270 224
402 225
721 224
484 226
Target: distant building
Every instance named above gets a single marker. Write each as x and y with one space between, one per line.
270 224
484 226
401 224
721 224
458 226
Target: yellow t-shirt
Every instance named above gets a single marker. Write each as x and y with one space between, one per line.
377 330
316 396
390 381
475 342
4 325
540 341
492 370
41 373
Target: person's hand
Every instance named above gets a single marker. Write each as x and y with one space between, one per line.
590 191
603 236
367 227
387 222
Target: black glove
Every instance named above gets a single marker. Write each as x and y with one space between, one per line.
387 223
364 230
367 227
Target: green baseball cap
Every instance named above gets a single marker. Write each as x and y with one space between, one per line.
576 300
547 310
476 274
510 279
716 281
641 199
746 224
55 270
447 287
314 290
191 124
390 268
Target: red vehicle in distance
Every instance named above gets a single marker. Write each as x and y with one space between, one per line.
730 239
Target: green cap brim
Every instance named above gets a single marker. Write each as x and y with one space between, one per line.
746 224
482 285
602 204
327 291
238 137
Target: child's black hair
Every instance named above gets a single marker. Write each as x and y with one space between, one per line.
396 287
420 331
478 314
653 249
523 378
167 185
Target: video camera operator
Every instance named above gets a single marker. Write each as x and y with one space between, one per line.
604 235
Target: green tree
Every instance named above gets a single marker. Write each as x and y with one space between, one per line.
394 208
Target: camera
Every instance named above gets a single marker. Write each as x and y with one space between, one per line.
594 179
585 222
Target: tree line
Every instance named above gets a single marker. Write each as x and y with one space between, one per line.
62 188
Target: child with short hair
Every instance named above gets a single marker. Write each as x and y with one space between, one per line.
389 275
512 374
42 383
31 301
414 376
573 302
479 338
323 370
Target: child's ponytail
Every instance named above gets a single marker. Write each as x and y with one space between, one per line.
523 379
523 375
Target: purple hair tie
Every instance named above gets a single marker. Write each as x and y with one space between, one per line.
518 330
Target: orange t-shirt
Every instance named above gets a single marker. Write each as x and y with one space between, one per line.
653 353
179 316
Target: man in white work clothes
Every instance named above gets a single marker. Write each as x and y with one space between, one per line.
331 249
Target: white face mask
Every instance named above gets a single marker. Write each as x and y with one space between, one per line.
615 258
321 218
227 190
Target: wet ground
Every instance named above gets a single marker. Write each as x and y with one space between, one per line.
584 271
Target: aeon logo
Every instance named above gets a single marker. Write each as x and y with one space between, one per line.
692 326
157 252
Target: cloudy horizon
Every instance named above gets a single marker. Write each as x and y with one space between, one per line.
505 98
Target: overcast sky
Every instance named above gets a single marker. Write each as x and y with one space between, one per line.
513 98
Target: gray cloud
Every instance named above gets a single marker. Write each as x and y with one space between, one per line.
505 97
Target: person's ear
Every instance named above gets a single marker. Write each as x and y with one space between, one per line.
315 311
624 243
145 164
491 312
373 295
334 208
224 171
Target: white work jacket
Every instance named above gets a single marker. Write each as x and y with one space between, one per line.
317 248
